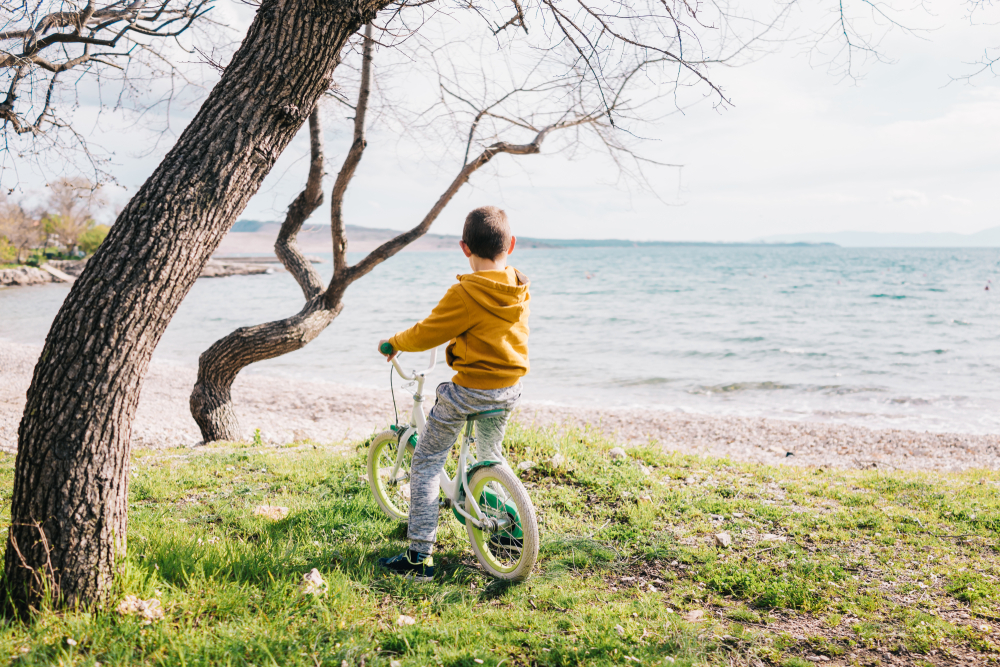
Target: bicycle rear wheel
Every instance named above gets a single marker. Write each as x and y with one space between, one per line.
392 495
509 553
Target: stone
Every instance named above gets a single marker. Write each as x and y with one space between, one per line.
149 610
525 465
557 460
618 454
770 537
405 620
695 616
313 584
272 512
723 540
619 629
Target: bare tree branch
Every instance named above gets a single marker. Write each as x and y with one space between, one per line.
50 37
286 247
351 161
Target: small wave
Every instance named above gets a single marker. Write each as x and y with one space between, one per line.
888 296
962 323
641 382
739 386
801 352
903 400
832 389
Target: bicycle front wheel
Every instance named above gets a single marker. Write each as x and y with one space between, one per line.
509 553
391 494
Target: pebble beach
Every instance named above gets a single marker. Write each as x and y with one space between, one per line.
286 411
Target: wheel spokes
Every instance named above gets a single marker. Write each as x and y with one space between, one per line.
502 545
397 490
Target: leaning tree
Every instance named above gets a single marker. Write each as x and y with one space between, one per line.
69 502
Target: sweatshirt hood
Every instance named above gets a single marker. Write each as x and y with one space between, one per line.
502 293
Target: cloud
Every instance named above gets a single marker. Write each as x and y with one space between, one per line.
913 198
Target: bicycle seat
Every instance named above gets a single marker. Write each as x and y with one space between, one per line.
485 415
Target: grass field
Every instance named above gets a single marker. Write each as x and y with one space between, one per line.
835 567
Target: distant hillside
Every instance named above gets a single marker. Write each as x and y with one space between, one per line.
987 238
257 237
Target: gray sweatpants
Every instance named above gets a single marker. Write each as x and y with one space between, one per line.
444 424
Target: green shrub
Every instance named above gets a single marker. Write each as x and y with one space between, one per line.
91 240
8 253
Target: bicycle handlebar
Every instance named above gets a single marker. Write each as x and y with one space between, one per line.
386 348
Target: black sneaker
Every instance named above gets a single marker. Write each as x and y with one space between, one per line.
410 564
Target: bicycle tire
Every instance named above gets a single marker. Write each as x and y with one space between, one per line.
393 499
515 559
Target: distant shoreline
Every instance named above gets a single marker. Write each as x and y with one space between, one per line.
255 237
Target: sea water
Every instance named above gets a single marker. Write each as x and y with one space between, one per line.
905 338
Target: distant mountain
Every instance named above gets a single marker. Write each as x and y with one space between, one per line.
987 238
256 237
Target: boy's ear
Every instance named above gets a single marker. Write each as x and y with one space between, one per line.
465 249
513 240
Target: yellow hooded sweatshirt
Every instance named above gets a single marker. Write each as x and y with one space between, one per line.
485 316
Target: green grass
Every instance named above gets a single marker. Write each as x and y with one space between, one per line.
867 566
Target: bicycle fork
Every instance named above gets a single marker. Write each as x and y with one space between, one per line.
485 523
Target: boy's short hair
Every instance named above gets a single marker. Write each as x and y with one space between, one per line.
487 232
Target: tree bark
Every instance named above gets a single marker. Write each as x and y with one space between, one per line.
69 505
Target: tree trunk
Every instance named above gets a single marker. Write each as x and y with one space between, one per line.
69 505
211 402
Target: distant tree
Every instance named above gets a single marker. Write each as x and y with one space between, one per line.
70 210
20 227
91 240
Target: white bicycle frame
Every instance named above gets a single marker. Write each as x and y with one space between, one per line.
448 485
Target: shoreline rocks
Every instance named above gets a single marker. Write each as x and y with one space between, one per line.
221 269
24 276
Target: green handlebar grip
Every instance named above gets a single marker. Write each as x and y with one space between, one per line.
385 348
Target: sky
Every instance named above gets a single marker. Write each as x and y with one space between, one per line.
800 150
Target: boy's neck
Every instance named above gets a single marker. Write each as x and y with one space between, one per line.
482 264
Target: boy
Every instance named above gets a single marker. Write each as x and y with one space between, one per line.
485 318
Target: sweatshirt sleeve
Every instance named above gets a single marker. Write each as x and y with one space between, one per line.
449 319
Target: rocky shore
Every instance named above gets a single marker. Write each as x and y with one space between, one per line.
215 268
288 410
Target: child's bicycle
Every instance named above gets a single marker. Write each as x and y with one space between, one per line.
486 496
